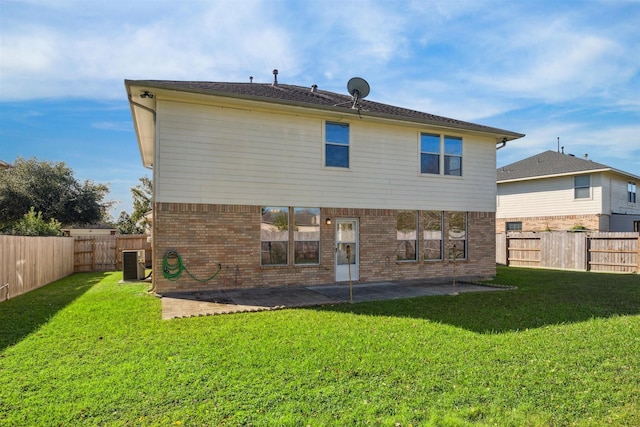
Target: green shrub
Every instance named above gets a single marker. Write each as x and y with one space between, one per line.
32 224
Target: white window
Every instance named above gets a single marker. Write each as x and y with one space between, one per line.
274 236
457 222
407 233
582 186
306 235
434 148
430 153
514 226
336 146
432 235
631 190
452 156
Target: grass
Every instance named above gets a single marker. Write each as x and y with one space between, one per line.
562 349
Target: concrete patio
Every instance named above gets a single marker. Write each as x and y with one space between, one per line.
204 303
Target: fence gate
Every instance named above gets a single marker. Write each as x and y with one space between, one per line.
613 252
104 253
84 255
523 250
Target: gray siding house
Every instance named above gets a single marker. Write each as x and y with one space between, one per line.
555 191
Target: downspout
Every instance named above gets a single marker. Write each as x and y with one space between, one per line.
501 144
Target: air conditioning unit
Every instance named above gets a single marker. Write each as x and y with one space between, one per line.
133 264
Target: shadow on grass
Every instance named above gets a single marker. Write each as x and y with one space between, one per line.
24 314
542 297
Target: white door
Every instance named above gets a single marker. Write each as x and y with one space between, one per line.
346 250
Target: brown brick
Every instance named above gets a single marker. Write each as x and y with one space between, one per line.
208 235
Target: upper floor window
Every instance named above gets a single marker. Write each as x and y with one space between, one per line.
631 190
429 153
582 186
336 146
452 156
433 148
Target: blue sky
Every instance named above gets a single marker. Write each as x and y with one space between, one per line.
548 69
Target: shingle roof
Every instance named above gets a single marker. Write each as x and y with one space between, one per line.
547 163
305 96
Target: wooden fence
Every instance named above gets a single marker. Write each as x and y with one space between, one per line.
28 263
104 253
606 252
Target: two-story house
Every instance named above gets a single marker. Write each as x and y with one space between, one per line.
275 184
555 191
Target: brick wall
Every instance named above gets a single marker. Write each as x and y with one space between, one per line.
556 223
208 235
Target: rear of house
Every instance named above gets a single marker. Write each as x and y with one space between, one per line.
272 185
553 191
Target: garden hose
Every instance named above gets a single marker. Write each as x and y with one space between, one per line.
172 268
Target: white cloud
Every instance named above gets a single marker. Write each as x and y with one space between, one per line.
215 40
113 126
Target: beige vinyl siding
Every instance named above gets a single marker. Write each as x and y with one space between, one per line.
618 188
218 155
546 197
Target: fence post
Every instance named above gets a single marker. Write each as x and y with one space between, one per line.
506 248
587 255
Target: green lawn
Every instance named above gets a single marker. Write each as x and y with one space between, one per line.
562 349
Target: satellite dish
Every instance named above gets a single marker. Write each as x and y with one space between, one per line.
358 88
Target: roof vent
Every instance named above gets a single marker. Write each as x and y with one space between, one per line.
275 77
585 156
250 79
314 88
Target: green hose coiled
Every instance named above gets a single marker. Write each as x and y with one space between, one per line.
172 268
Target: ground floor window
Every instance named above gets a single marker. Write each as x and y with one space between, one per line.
432 235
274 236
406 235
514 226
306 235
297 229
457 222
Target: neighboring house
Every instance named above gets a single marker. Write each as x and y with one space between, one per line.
557 191
90 230
290 185
4 165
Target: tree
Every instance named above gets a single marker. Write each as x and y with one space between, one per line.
32 224
51 190
126 226
142 201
